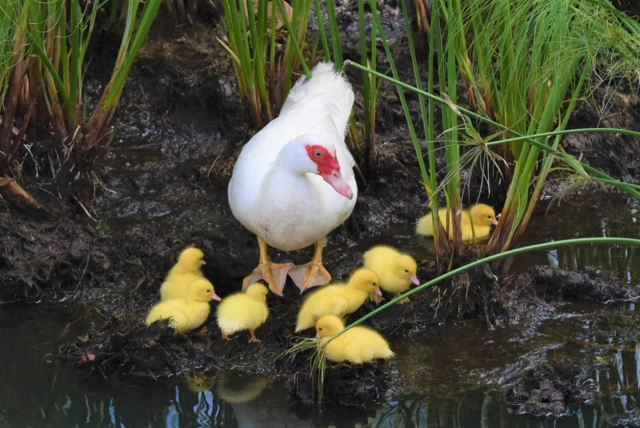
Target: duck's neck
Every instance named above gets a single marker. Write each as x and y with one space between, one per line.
293 157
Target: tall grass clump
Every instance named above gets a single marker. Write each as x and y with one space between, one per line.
15 111
266 40
54 38
524 66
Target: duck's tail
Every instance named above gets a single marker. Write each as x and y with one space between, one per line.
327 90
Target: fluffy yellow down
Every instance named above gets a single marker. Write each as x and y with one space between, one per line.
182 274
243 311
338 299
357 345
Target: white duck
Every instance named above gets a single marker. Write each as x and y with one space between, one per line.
293 183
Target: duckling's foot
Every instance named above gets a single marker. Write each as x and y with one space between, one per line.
375 298
253 337
309 275
403 301
225 337
275 274
201 332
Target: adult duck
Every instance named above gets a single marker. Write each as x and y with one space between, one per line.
293 182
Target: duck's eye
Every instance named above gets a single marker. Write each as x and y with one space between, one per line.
320 329
209 291
406 271
375 283
317 153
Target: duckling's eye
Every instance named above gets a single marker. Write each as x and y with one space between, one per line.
317 153
320 329
208 290
375 283
406 271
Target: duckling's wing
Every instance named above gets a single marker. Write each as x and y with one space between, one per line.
334 304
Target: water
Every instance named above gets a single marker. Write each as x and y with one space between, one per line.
452 372
443 366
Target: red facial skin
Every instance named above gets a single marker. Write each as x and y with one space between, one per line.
329 169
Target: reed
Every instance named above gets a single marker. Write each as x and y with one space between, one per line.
54 37
266 46
520 68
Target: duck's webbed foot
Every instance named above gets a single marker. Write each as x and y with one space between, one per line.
313 273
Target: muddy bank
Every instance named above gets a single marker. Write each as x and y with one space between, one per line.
122 347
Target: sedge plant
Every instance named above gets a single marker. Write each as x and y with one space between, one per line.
55 36
520 68
265 65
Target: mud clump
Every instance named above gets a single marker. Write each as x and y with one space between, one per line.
548 389
125 347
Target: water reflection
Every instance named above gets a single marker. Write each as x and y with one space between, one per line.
444 368
597 214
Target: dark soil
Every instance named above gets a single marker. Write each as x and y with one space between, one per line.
152 200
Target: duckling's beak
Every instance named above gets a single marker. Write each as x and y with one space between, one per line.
204 263
495 222
334 178
318 336
215 297
378 292
415 280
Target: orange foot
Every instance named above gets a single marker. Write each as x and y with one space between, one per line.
275 274
253 337
403 301
313 273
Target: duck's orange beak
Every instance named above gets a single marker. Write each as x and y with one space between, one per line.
415 280
495 222
378 292
215 297
334 178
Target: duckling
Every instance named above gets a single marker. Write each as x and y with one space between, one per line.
243 311
357 345
396 270
339 298
475 222
182 274
186 314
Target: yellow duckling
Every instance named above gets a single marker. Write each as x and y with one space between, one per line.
475 222
357 345
243 311
182 274
396 270
186 314
338 299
